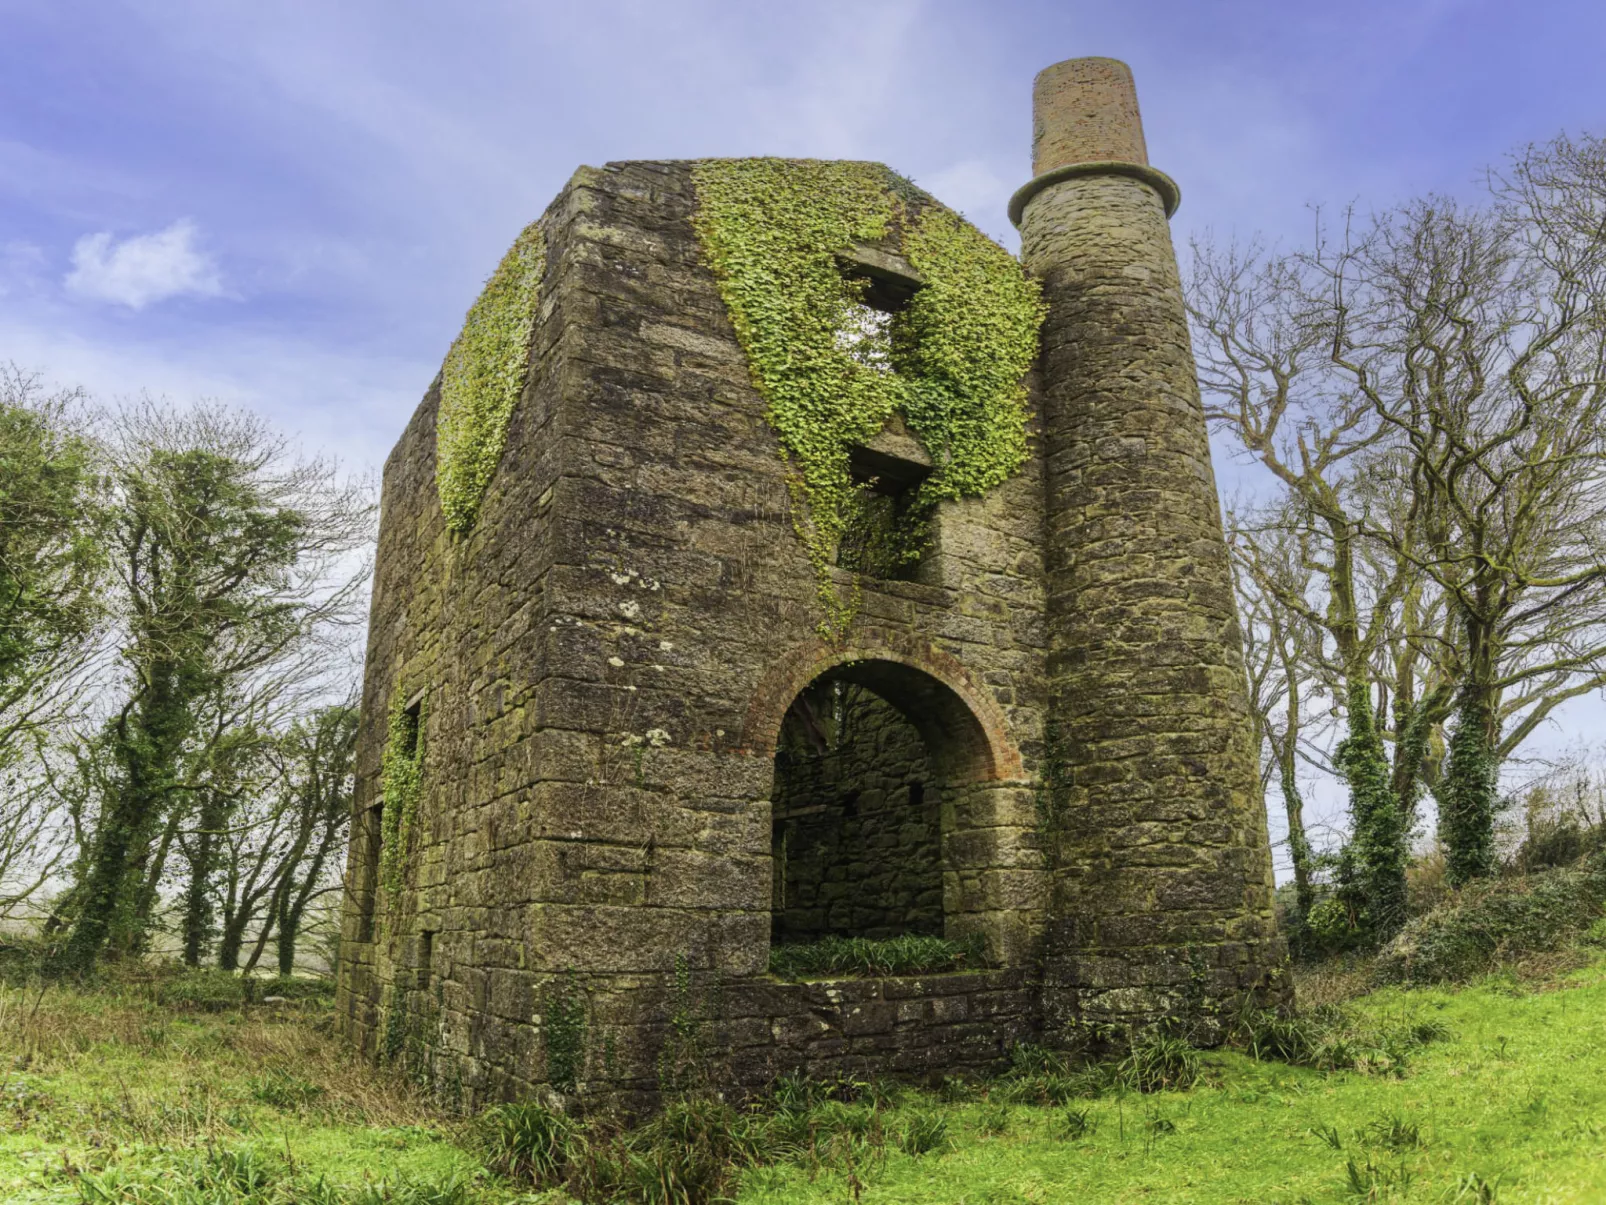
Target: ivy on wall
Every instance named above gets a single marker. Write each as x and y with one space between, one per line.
483 376
401 786
951 362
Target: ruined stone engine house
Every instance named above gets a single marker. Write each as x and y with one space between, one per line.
635 712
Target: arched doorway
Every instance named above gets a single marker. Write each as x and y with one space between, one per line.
898 809
856 814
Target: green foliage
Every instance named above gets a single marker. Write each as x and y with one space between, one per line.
1471 933
484 374
563 1033
203 991
245 1176
50 557
951 363
401 788
1379 846
121 1101
909 954
1335 1039
1331 926
530 1143
683 1060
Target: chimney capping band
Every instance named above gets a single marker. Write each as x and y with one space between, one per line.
1170 194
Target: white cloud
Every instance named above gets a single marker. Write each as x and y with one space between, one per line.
143 269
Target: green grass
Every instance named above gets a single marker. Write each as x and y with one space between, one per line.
156 1093
1510 1107
165 1093
907 955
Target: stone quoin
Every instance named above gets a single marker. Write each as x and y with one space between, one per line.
640 758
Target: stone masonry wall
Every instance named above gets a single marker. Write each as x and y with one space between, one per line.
857 843
607 657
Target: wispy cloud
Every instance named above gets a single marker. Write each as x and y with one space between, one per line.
143 269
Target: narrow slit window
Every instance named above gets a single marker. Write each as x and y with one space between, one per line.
368 885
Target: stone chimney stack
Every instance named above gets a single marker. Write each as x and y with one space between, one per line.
1164 886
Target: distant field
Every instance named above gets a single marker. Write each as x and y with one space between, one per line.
123 1097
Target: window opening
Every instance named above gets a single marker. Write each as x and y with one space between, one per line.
411 714
426 958
368 885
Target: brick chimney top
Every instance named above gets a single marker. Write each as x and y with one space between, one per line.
1085 111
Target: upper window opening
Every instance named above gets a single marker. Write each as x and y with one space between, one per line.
411 715
884 282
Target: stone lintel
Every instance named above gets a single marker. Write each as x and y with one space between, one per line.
893 279
894 457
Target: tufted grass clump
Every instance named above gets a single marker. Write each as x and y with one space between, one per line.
951 363
909 954
484 374
1159 1062
1336 1039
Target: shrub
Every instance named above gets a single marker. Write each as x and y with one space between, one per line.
210 991
1487 922
1330 927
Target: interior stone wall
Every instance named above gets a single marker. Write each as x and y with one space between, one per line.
857 845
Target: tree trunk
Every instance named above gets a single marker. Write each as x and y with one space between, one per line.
1470 794
1298 843
198 911
1378 829
1377 826
145 742
232 938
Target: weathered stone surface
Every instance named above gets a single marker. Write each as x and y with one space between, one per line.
609 657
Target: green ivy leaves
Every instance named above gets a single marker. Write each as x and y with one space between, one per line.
482 379
401 785
771 230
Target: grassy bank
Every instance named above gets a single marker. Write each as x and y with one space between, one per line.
141 1091
177 1092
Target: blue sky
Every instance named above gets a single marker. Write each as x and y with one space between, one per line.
290 205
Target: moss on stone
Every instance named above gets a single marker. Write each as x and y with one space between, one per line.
483 376
951 363
401 786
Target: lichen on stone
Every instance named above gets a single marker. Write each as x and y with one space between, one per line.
484 374
951 362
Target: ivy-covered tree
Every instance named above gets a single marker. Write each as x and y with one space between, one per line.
233 555
50 570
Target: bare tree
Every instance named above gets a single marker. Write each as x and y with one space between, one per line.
1282 657
50 568
1263 355
1478 337
1431 388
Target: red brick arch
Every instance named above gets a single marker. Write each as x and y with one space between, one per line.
963 727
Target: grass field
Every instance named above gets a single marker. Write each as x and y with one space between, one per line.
123 1096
